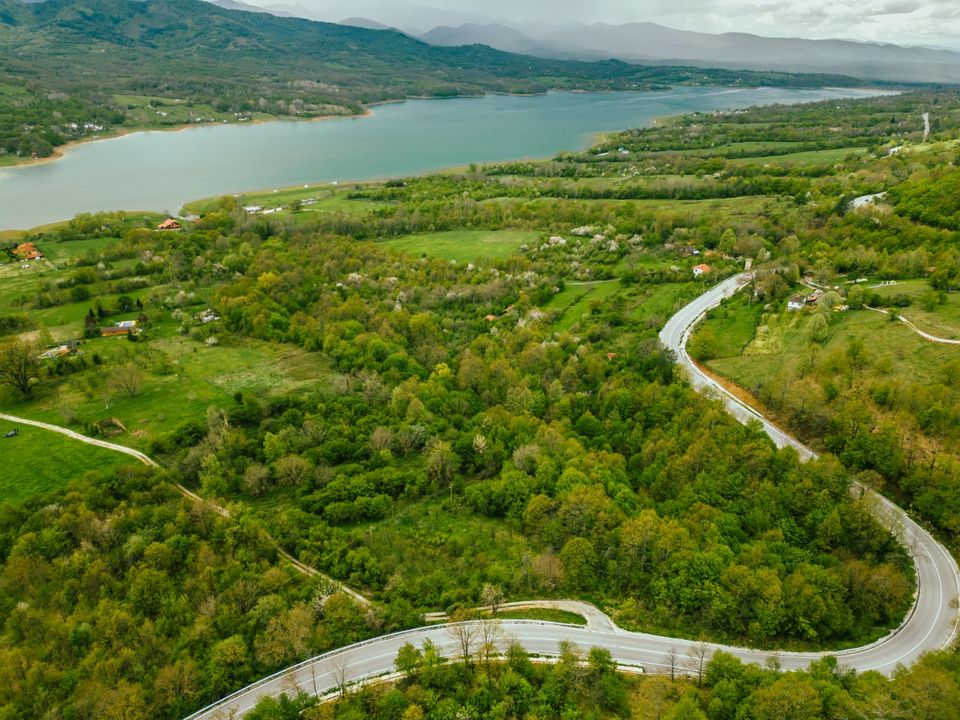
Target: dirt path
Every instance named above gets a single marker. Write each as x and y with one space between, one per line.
189 494
918 331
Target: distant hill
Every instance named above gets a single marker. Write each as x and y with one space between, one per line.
495 35
366 23
649 42
234 5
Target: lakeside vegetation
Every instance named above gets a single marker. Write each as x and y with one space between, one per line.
422 429
71 71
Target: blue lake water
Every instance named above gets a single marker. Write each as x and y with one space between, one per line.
163 170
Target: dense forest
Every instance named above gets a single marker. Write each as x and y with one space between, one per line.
71 69
429 388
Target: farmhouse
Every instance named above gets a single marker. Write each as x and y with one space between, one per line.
701 269
27 251
127 327
169 224
797 302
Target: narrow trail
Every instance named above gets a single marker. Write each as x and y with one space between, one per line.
189 494
918 331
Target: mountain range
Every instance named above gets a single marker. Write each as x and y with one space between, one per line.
643 42
649 42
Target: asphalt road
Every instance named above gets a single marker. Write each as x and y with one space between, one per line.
930 625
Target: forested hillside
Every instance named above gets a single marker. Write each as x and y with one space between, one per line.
71 69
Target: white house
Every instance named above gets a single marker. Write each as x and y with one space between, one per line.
796 303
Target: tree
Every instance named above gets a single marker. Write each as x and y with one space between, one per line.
698 658
129 379
339 668
491 596
672 661
464 628
287 637
90 324
686 709
491 632
409 659
792 697
579 560
20 366
291 470
442 462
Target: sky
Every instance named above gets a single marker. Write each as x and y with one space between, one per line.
904 22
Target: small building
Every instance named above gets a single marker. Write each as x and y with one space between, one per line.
27 251
701 269
797 302
59 351
208 316
169 224
127 327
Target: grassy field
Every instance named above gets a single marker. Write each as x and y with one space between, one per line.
38 461
937 318
733 325
464 245
151 112
810 157
893 350
313 198
546 614
574 301
181 378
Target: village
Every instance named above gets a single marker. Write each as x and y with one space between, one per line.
29 256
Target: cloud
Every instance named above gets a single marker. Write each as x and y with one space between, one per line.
898 7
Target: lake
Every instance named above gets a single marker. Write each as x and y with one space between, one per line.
162 170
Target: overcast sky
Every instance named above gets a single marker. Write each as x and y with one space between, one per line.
926 22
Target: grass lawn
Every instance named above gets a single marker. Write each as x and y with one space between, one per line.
733 325
810 157
547 614
38 461
465 245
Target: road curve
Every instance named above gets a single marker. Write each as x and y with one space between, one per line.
932 621
930 625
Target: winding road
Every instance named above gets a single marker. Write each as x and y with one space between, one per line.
930 625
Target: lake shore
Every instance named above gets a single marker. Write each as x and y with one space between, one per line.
61 150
